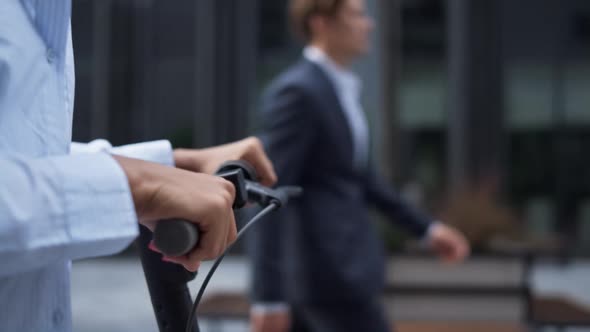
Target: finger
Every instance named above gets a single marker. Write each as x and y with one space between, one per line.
259 160
455 254
467 249
450 259
268 177
459 251
464 250
153 247
211 244
191 265
232 230
226 234
229 229
460 246
446 252
264 169
149 224
230 233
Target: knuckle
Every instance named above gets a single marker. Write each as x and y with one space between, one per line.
230 188
227 186
220 249
253 145
229 201
225 202
221 203
209 252
256 143
231 238
227 195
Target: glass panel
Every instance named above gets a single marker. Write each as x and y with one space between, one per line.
423 94
529 95
577 93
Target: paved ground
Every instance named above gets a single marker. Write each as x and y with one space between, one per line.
110 294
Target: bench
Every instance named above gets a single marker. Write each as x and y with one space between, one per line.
488 293
222 308
487 288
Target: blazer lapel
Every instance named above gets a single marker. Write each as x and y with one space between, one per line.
333 108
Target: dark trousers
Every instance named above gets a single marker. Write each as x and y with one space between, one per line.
361 316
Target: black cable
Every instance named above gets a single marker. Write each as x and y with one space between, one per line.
189 324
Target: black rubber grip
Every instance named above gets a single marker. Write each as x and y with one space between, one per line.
167 283
176 237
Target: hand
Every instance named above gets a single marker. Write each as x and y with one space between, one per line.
210 159
270 322
160 192
449 243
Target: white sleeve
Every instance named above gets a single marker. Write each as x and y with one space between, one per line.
156 151
270 308
64 207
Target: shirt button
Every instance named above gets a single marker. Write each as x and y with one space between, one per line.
50 55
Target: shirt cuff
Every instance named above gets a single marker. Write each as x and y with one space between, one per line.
98 145
156 151
270 308
99 211
427 238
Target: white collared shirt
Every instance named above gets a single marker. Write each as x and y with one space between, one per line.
348 90
54 207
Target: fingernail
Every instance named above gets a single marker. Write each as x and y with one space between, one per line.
152 246
167 260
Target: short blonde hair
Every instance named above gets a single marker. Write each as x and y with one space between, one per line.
301 11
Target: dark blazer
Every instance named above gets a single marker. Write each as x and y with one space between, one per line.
323 247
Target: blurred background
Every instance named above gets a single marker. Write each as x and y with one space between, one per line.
480 112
